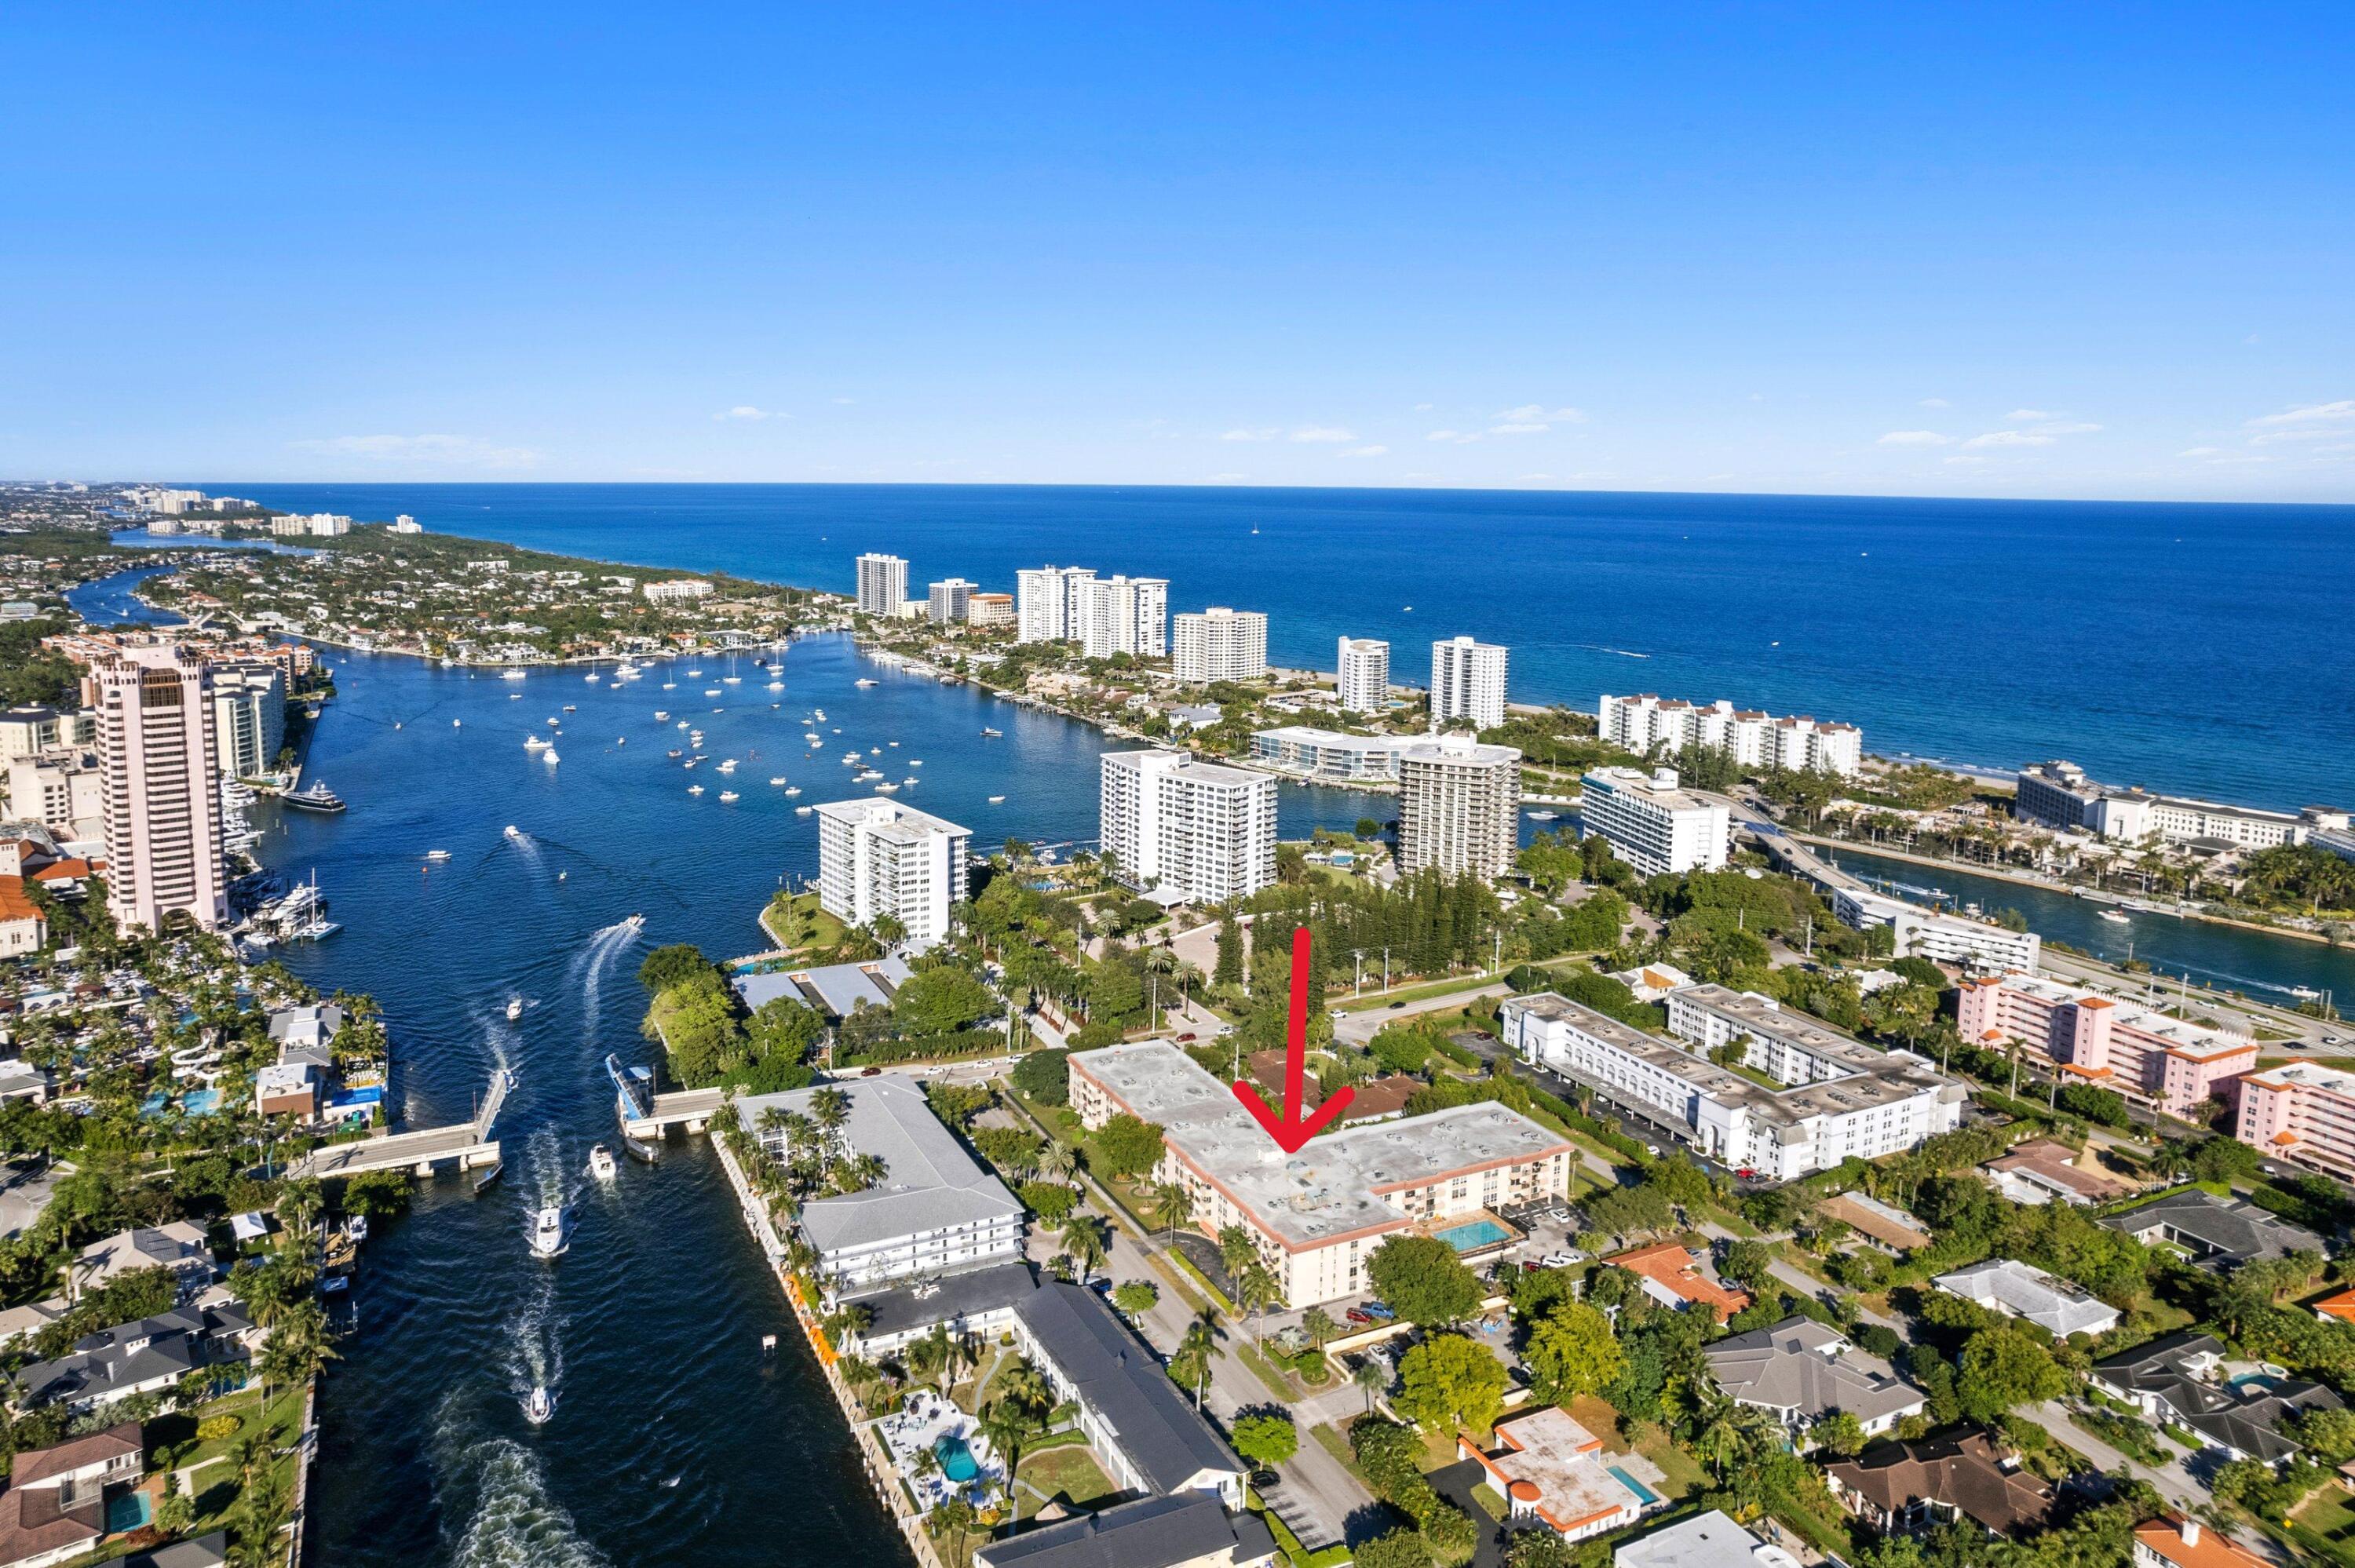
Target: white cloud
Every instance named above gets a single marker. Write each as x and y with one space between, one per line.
1935 403
2064 427
465 450
1916 438
1366 452
1423 408
746 411
1518 427
2020 416
2200 451
2310 423
2011 438
1331 434
1249 436
1459 436
1539 415
1964 461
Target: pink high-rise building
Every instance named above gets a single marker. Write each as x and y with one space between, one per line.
156 751
2302 1111
2110 1042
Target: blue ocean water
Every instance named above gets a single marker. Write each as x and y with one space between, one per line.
2195 649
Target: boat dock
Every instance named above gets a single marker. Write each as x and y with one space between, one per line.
465 1146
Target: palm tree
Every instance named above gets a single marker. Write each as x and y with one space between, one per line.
1369 1377
1318 1325
1236 1249
1007 1427
1173 1205
1197 1347
1719 1441
1257 1289
1088 1238
1059 1160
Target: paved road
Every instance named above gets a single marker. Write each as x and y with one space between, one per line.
1357 1028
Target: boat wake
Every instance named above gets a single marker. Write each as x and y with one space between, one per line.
553 1176
589 965
498 1486
534 1356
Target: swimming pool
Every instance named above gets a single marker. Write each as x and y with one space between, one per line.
130 1511
956 1459
1473 1235
1645 1496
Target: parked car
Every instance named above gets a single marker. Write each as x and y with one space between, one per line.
1359 1316
871 1072
1262 1479
1379 1312
1396 1005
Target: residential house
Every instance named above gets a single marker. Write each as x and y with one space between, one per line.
177 1245
54 1507
2185 1542
2219 1233
2042 1170
2182 1379
1900 1487
1708 1539
2059 1306
1552 1472
1891 1229
1806 1373
1188 1529
1672 1275
149 1356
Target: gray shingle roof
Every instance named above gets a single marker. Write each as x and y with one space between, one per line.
1152 1533
2247 1416
2222 1230
129 1354
1153 1424
1800 1365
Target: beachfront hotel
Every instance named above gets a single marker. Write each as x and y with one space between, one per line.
2058 795
1651 824
1467 682
1942 938
937 1211
1317 1215
878 857
883 584
2301 1111
1650 725
1188 830
1459 807
1220 645
1361 675
158 760
2109 1042
1838 1097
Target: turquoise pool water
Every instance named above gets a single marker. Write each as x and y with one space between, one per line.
956 1459
1473 1234
129 1511
1645 1495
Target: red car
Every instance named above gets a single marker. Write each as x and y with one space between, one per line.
1362 1319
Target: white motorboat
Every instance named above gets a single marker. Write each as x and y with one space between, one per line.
793 789
728 764
538 1405
711 691
551 1231
457 723
550 755
533 743
514 1008
2119 917
731 680
635 922
777 782
695 788
1543 816
437 854
513 832
601 1163
727 795
661 716
801 810
511 675
997 800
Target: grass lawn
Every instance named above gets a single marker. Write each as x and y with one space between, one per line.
1070 1473
1491 1502
2329 1516
217 1486
824 929
1336 1442
1373 1000
1286 1389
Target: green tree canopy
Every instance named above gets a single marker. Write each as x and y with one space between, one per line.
1423 1280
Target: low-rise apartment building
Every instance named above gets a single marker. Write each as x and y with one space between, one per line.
2058 795
2110 1042
1319 1215
2301 1111
1654 726
1921 933
1328 754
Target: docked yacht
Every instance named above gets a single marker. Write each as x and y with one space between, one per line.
727 797
511 675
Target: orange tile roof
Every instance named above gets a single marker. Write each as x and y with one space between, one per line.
1670 1266
2165 1536
14 905
2341 1306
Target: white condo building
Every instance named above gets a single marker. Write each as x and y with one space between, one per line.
1047 603
1459 807
1361 677
1651 824
1220 645
1329 753
1124 615
1652 726
156 757
2059 795
878 857
1186 829
1838 1097
1467 682
1942 938
950 602
248 718
883 584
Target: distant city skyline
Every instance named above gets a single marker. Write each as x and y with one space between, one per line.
2001 252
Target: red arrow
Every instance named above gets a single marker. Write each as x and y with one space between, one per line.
1292 1130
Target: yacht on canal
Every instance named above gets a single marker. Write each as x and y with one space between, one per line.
551 1233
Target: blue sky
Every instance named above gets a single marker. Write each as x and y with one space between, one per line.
2075 250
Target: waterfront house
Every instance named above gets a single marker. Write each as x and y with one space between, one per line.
1553 1472
1186 1531
1806 1373
2183 1379
149 1356
1900 1487
55 1504
2221 1233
